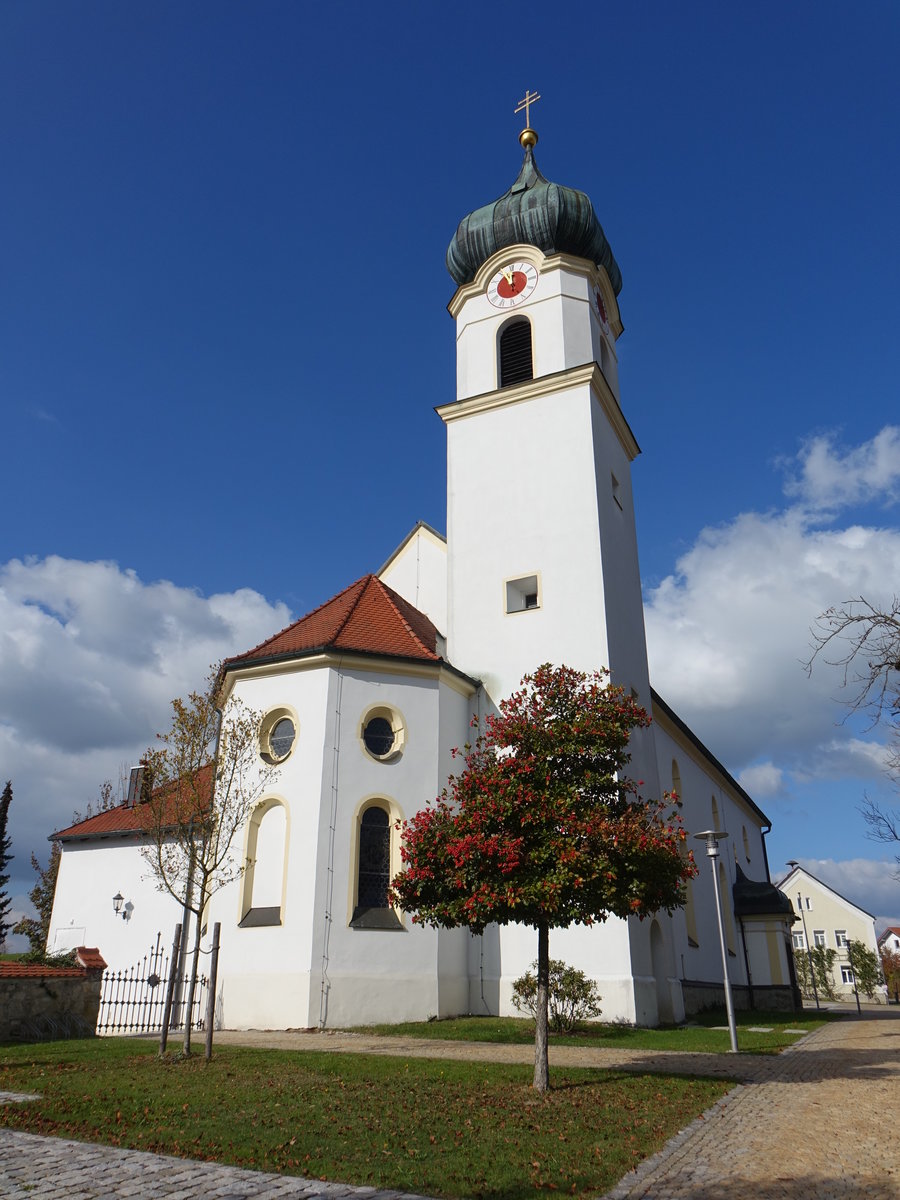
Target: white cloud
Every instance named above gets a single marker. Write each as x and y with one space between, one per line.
90 657
762 781
729 630
832 477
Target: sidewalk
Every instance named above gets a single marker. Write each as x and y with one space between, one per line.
814 1123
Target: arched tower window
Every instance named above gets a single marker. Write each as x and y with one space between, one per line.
516 362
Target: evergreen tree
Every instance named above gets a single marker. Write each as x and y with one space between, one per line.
41 896
5 859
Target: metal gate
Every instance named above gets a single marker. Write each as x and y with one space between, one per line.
133 1000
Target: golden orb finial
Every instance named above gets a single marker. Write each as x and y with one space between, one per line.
528 138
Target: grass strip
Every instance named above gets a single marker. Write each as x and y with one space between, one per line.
445 1128
697 1037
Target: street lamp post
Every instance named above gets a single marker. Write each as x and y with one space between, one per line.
793 864
712 838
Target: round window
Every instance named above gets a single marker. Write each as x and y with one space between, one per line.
379 736
281 738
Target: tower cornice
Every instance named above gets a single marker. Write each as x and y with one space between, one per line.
545 385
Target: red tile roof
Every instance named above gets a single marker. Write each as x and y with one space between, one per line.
367 617
127 818
27 970
90 958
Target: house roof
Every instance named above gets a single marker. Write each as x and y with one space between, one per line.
129 818
891 929
798 870
367 617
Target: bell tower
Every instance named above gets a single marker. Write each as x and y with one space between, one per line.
543 563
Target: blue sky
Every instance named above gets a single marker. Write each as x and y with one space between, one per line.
223 332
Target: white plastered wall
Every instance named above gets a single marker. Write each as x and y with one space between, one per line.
264 972
363 974
418 571
90 874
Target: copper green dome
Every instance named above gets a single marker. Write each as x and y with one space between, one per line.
536 212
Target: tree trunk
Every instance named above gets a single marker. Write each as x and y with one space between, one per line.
195 963
192 988
541 1061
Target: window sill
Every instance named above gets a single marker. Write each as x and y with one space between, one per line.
258 917
384 919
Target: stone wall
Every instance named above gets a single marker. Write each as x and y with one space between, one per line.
40 1002
698 994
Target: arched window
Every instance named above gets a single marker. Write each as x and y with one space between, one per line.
374 859
264 877
516 364
727 909
373 873
690 911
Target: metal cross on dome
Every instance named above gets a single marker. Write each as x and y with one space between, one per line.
526 103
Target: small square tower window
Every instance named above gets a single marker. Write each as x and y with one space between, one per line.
523 594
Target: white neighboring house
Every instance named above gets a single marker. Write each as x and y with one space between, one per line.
890 939
365 697
826 918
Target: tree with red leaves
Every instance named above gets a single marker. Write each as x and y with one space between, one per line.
541 826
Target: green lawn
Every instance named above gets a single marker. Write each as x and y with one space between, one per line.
444 1128
699 1036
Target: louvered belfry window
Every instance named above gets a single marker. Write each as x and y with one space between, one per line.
515 353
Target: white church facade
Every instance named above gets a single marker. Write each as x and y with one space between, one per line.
364 699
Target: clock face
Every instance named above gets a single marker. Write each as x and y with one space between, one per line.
512 284
601 310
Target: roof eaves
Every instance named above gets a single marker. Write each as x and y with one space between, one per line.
338 652
828 888
707 754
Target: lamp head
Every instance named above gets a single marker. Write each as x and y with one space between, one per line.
712 837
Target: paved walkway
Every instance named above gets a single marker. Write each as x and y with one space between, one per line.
814 1123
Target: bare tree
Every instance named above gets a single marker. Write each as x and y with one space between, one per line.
863 640
207 776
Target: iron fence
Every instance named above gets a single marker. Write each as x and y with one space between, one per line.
134 1000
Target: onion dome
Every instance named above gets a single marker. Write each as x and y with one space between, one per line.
536 212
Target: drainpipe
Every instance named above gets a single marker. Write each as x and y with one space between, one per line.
747 963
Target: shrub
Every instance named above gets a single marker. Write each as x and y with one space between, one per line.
573 997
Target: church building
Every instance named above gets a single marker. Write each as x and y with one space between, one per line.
364 698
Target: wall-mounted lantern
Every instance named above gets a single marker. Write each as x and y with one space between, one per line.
118 900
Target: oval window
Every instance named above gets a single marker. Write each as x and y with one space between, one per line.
281 739
379 736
